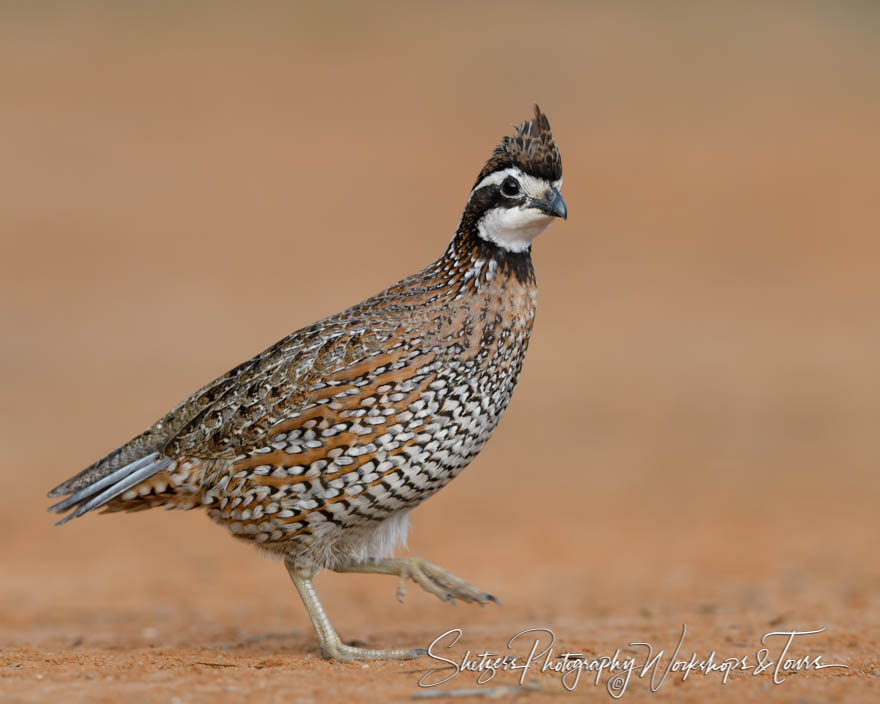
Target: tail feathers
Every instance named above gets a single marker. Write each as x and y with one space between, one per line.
107 488
144 444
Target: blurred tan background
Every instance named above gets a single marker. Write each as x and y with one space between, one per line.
695 435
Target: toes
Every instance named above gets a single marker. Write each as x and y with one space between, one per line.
445 585
337 655
348 653
401 654
458 589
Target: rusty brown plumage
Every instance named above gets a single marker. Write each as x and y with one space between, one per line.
317 448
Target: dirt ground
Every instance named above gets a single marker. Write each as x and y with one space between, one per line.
694 441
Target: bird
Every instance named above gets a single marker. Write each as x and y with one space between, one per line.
317 449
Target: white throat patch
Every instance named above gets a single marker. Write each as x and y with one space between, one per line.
513 229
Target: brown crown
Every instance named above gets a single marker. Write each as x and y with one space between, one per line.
532 149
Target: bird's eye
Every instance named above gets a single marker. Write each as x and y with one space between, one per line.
510 187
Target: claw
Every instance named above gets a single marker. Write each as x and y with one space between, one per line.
433 579
401 589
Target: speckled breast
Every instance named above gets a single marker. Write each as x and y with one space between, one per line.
383 434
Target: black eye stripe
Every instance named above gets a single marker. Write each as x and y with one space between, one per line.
489 197
506 202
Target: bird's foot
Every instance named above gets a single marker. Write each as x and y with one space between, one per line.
439 582
330 645
433 579
335 649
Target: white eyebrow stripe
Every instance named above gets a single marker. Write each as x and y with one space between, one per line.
497 177
531 185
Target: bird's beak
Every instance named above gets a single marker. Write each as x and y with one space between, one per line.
552 204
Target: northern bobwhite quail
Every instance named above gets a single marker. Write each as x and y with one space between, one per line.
318 448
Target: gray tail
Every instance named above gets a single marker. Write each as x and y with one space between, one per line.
104 481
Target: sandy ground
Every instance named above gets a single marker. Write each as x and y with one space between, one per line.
694 440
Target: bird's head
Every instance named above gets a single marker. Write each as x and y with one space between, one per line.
516 195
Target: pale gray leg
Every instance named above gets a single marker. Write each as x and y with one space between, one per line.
433 579
329 643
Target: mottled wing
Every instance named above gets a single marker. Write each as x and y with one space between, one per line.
271 387
341 459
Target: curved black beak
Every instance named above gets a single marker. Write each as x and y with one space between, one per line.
552 204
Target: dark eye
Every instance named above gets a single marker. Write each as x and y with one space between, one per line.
510 187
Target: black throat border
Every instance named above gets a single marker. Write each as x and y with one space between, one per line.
516 264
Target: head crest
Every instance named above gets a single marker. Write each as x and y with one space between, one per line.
532 149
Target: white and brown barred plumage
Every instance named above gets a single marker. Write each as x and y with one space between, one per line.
317 448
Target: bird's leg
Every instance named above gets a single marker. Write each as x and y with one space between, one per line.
433 579
329 643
